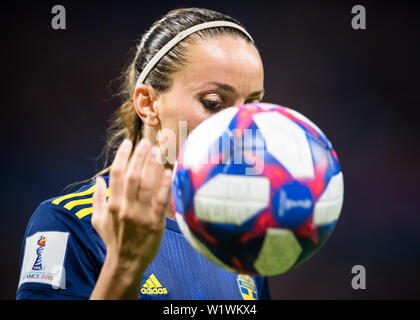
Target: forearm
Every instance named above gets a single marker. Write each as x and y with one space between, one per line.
118 281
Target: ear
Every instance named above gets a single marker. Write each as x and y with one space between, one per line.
144 99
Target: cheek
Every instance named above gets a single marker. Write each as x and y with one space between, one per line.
178 117
196 117
191 112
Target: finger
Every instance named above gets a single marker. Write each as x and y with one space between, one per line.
116 181
162 195
151 173
135 167
99 201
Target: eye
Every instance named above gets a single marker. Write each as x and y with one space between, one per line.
212 103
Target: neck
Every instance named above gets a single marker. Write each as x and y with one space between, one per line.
151 134
170 210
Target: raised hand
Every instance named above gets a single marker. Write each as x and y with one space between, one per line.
132 221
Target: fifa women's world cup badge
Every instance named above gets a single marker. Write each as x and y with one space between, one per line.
42 263
41 246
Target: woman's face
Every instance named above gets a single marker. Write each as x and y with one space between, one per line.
218 73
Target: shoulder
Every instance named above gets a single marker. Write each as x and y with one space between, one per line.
69 217
76 207
61 253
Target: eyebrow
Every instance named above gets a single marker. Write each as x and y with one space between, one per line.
229 88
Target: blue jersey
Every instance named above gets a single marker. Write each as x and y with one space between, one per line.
62 255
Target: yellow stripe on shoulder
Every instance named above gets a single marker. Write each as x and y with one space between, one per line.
91 190
85 211
70 205
86 200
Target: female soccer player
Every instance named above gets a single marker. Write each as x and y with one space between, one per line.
116 238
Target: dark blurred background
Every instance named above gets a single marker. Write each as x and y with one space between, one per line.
359 86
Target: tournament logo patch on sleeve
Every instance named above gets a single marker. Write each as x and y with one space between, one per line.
43 261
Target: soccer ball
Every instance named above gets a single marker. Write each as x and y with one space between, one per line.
257 189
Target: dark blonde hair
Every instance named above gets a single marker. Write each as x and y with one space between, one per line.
125 123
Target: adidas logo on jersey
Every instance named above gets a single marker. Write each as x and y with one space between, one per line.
153 286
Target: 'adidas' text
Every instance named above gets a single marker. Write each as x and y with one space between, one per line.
153 286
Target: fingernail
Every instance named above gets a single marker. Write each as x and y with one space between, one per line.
126 144
144 142
168 172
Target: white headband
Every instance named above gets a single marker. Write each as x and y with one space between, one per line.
180 36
